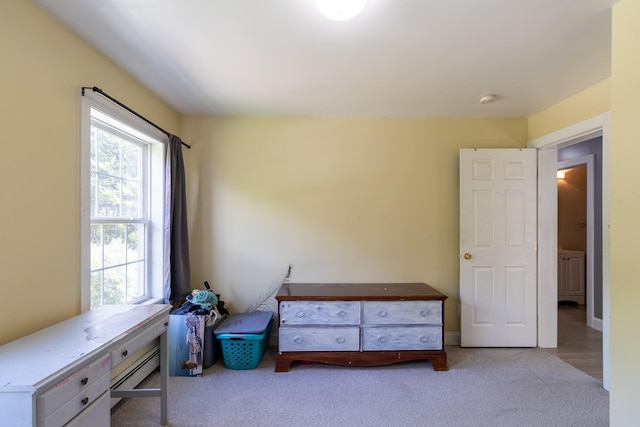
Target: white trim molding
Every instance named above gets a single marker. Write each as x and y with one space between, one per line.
452 338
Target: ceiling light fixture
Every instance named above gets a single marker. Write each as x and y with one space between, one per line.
340 10
488 99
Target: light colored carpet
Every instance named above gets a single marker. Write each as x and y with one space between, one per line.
483 387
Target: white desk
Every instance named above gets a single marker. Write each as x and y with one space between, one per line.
61 375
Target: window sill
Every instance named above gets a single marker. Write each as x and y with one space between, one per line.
148 301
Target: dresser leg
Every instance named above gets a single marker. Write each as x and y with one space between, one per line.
283 363
439 362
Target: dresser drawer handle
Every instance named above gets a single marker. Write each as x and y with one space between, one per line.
424 338
382 313
299 313
298 340
382 339
124 353
342 313
425 313
84 381
84 401
340 339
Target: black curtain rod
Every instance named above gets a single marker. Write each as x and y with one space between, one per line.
98 90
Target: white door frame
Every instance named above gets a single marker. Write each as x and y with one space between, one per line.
588 162
548 225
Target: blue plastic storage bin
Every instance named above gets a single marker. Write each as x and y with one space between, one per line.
244 339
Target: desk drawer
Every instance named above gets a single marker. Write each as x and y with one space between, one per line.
320 313
77 404
330 338
144 336
402 312
384 338
98 414
79 382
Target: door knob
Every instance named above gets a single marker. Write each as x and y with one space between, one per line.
467 255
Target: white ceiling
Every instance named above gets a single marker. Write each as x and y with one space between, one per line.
401 58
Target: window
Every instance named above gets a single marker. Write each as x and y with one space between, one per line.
122 206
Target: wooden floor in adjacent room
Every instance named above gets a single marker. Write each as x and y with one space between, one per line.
578 344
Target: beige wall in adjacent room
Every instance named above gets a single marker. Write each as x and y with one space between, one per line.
572 209
43 68
342 200
625 207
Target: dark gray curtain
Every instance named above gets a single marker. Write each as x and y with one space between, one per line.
177 276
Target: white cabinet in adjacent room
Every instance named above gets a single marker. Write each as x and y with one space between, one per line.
571 276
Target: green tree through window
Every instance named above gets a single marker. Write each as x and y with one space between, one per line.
119 216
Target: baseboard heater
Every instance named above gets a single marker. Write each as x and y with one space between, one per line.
136 373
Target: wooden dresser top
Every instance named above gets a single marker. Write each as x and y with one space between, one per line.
358 291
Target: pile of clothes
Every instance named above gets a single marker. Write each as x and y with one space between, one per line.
204 302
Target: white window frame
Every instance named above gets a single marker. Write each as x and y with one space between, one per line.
157 141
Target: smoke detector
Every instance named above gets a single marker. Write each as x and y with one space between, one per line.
488 99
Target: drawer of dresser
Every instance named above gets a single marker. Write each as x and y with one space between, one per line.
402 312
77 403
320 313
139 339
319 338
76 383
416 337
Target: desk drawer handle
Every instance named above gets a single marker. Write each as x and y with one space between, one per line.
125 353
299 313
424 338
425 313
298 340
84 381
85 401
340 339
382 339
342 313
382 313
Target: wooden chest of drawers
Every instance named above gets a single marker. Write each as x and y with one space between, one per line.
360 324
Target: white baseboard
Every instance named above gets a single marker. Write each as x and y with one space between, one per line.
596 324
452 338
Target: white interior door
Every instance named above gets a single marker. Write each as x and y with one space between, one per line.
498 222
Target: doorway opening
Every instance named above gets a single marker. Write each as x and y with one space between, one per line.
548 147
580 227
573 227
580 256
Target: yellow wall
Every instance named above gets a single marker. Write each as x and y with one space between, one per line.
589 103
351 200
625 205
43 68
